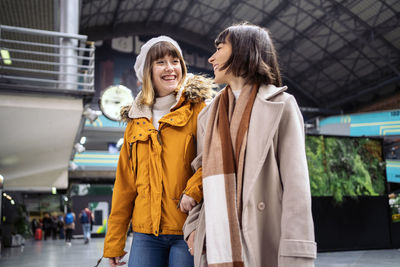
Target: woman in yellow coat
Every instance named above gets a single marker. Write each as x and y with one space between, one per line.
155 186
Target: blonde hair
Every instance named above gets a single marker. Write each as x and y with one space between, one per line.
158 51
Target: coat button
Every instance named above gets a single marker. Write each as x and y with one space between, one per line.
261 206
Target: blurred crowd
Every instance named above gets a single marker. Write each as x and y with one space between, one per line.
49 226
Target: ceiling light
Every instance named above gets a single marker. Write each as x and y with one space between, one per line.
120 142
73 166
83 140
12 202
5 55
91 114
79 148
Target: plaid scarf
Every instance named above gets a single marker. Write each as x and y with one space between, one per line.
223 164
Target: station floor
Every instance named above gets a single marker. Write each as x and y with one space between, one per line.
55 253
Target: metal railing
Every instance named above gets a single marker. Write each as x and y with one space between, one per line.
45 60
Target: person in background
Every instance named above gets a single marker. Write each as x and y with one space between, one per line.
60 226
155 186
86 218
69 226
54 226
257 201
34 225
47 225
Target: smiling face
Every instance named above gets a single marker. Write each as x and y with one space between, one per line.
166 74
164 71
219 59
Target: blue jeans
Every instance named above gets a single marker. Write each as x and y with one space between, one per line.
86 231
159 251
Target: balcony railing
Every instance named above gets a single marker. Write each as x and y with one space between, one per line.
45 60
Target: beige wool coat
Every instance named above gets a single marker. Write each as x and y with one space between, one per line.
277 225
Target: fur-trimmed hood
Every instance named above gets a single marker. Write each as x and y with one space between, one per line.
196 89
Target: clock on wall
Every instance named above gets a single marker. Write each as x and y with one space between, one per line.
113 98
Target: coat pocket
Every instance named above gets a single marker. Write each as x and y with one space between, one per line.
138 161
138 137
298 248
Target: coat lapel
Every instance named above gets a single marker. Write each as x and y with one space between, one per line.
264 122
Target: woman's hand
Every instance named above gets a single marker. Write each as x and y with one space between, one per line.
187 203
190 242
116 261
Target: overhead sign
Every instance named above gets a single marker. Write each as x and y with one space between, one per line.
122 44
363 124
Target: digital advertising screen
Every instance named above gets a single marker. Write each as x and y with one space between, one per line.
345 166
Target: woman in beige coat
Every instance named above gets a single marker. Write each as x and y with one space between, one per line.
257 203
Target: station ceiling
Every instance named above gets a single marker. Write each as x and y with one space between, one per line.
334 54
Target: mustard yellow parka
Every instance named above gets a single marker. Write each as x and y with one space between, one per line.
154 168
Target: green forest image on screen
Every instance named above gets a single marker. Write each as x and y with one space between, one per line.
341 166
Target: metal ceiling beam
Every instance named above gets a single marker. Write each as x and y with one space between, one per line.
371 29
322 21
313 66
124 12
350 47
95 11
152 28
373 77
304 92
363 91
304 35
168 10
269 18
224 14
151 11
185 12
364 36
346 50
383 2
84 19
99 8
114 20
316 68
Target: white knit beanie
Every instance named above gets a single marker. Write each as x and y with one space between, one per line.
141 58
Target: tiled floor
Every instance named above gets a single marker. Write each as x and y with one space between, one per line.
362 258
54 253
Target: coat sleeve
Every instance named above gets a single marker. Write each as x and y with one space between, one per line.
194 186
297 246
192 219
123 198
